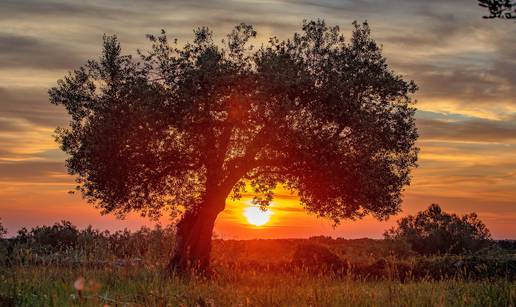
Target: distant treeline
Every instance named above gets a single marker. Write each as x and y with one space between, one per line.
63 244
430 232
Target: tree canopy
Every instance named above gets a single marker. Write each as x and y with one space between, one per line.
504 9
323 116
434 231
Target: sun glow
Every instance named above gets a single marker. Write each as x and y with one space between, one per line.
257 217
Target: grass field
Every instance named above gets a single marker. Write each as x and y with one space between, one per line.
54 286
61 266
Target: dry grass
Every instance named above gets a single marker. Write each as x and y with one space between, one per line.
101 269
54 286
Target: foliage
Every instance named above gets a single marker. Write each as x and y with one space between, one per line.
60 236
325 117
316 256
3 246
365 259
434 231
64 244
507 244
3 230
505 9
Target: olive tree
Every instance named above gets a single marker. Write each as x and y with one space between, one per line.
504 9
180 128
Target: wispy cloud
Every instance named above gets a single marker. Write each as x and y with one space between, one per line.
464 65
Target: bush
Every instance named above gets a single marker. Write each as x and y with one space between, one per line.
60 236
3 230
316 256
433 231
63 243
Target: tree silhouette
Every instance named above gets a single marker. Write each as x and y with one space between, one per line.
433 231
505 9
3 230
183 128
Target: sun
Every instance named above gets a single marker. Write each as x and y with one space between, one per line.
257 217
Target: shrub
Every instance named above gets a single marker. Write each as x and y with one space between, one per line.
63 243
433 231
3 230
55 238
318 256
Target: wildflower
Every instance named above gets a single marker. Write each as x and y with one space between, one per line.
79 284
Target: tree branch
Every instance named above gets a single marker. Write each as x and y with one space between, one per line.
238 167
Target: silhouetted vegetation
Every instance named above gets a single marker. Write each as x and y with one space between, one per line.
184 128
3 230
433 231
316 257
61 265
499 8
64 245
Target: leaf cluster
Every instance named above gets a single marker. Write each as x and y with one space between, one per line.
504 9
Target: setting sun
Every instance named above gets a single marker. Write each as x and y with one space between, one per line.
257 217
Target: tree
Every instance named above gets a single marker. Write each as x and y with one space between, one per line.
183 128
504 9
433 231
60 236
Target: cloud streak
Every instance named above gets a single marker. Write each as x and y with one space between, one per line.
464 65
469 130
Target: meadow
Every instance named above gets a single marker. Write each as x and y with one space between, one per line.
62 266
54 286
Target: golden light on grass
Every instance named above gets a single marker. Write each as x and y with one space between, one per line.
256 216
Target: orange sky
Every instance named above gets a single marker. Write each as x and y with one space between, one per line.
464 65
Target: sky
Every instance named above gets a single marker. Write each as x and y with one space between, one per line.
464 65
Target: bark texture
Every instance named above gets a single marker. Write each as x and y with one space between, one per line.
192 248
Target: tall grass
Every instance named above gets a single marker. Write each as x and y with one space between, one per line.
63 266
54 286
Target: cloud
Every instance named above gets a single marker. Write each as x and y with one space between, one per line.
469 130
12 9
22 140
18 51
464 65
33 171
30 104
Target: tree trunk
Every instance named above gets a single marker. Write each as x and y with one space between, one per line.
193 239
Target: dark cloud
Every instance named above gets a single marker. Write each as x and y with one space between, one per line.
505 61
31 104
481 79
442 31
496 173
12 9
453 54
466 84
404 10
475 130
19 51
